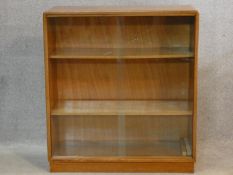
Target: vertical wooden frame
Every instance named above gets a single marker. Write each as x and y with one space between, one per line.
195 83
47 85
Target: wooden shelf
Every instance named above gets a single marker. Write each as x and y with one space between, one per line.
123 53
123 148
123 107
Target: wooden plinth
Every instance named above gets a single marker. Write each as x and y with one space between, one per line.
176 167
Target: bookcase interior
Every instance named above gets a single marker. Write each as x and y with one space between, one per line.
121 86
123 37
133 136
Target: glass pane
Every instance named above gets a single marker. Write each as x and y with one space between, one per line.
116 136
122 86
126 37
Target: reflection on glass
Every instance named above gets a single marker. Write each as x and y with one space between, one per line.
126 136
123 86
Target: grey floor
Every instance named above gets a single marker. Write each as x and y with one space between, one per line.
213 158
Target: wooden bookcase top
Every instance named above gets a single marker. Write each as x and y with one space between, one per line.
122 11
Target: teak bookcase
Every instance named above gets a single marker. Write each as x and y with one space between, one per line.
121 88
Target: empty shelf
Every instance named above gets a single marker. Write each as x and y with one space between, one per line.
121 53
121 107
78 148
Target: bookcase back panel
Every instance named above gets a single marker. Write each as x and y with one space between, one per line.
83 135
114 127
126 32
119 80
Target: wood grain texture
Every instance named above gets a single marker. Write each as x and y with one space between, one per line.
47 84
125 159
122 148
121 11
114 107
127 73
195 86
122 80
102 128
179 167
137 135
125 53
129 33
